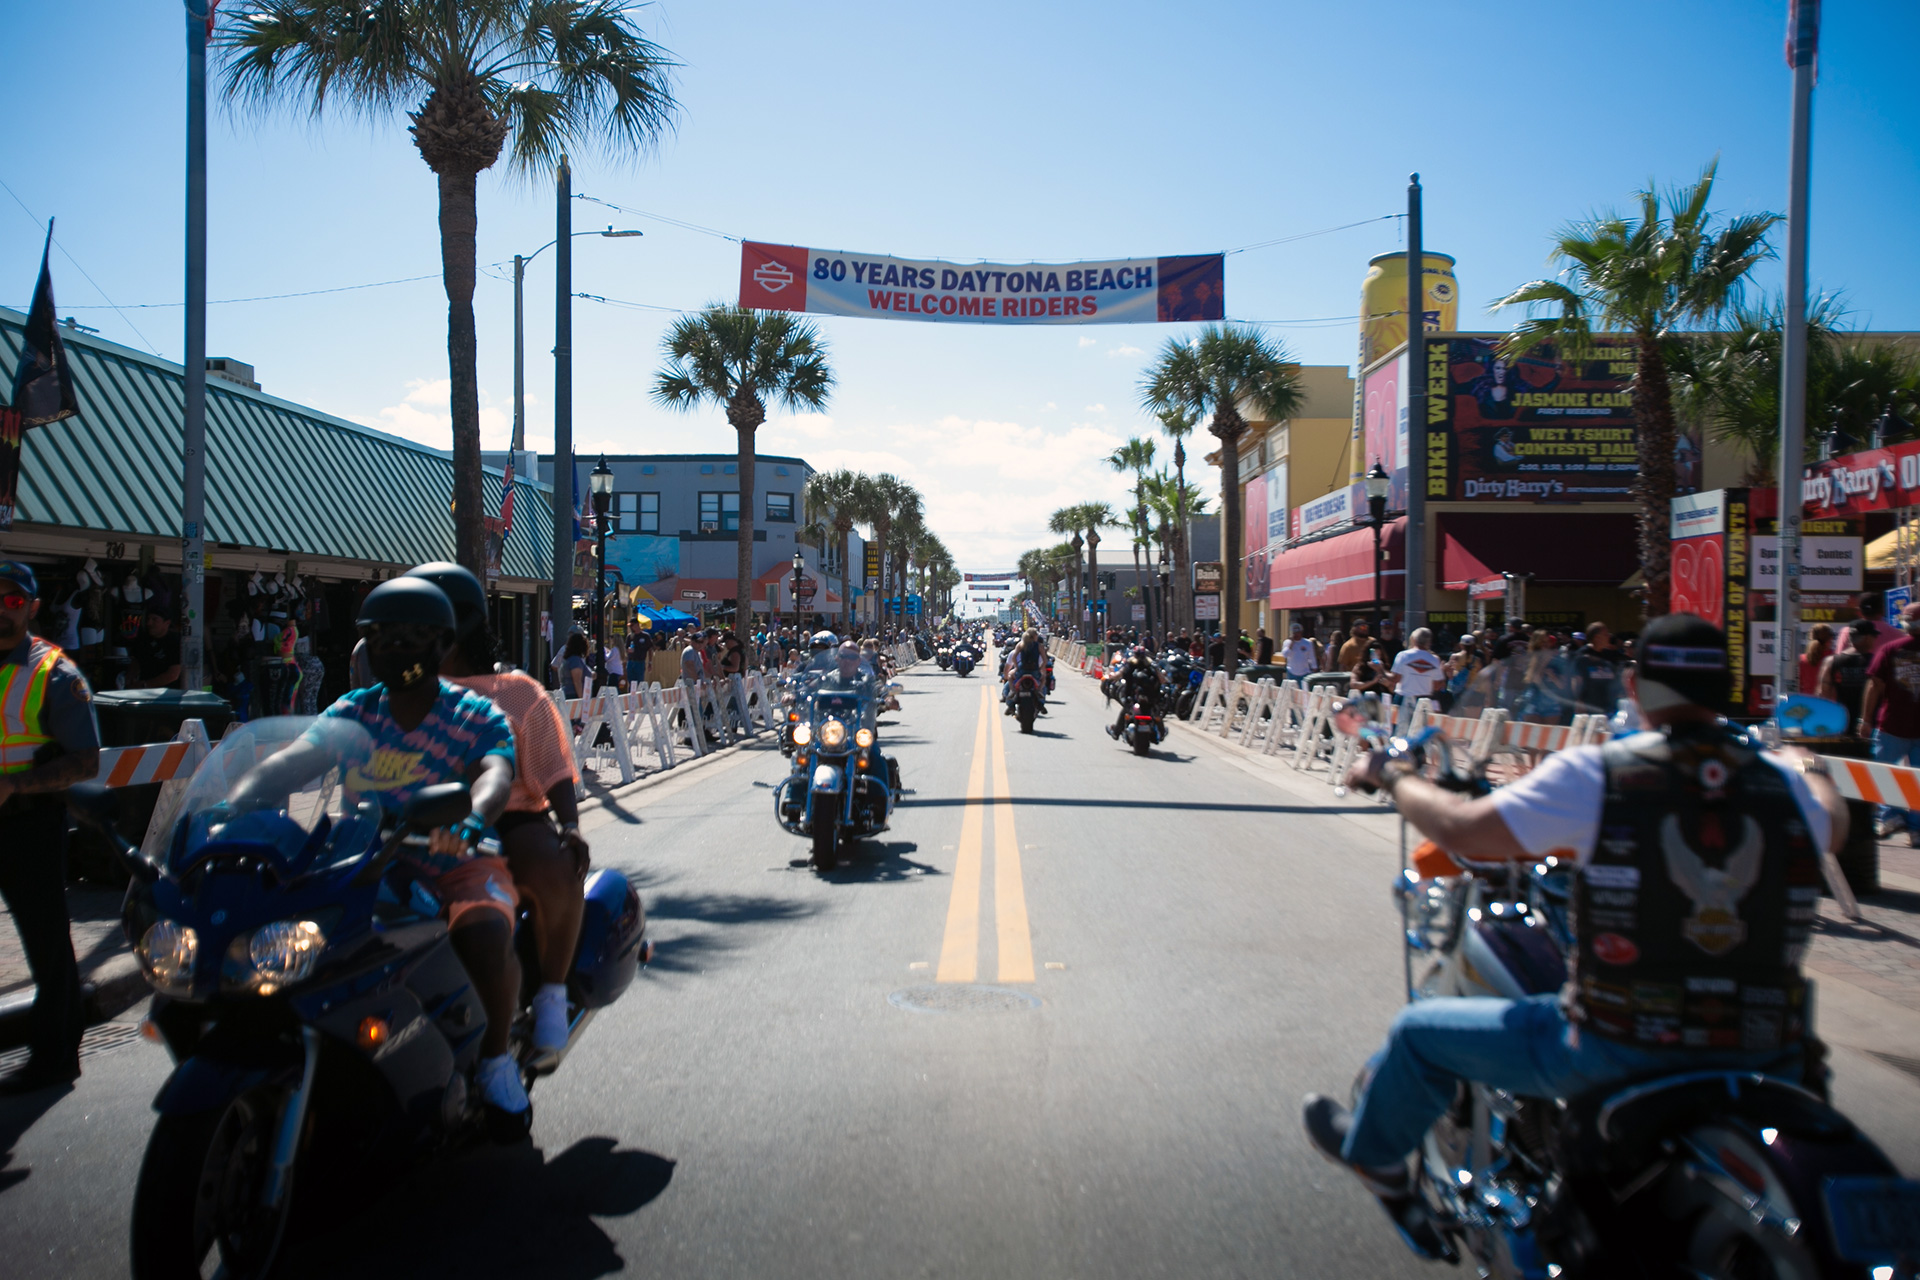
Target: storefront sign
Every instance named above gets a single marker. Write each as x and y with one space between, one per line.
1537 428
780 277
1872 480
1253 497
1206 607
1323 513
1383 418
1207 575
1276 503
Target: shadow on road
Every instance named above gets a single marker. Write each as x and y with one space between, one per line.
879 862
500 1211
692 949
17 1115
1185 806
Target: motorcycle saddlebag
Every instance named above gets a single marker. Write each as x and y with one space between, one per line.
611 929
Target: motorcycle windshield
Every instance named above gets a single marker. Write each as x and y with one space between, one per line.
271 784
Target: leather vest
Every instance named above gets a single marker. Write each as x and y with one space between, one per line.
1693 914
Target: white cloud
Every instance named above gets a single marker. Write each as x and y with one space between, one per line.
1124 352
1096 408
1049 405
424 416
1088 342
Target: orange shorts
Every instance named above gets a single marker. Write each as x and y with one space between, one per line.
478 884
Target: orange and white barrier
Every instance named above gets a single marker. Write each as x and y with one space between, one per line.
153 762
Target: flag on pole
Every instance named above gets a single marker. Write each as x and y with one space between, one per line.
42 386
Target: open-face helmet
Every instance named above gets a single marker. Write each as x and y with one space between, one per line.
409 625
462 588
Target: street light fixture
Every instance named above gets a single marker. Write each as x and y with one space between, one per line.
799 566
520 262
1378 482
600 483
1163 612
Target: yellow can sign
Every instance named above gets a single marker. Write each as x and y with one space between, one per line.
1383 302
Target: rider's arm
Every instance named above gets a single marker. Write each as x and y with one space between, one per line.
491 782
1553 809
1870 702
268 783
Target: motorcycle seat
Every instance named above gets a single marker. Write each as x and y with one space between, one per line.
1615 1129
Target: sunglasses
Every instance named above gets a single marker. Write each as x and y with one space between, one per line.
15 600
402 635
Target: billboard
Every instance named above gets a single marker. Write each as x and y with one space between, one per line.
780 277
1383 420
1336 508
1253 511
1277 513
645 560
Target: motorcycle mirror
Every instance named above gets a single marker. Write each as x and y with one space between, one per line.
438 806
1349 718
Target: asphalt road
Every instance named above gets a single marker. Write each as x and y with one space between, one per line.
1055 1023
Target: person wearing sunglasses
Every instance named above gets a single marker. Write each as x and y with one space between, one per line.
48 742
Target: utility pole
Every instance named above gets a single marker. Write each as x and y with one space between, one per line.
560 609
193 493
519 358
1415 545
1803 43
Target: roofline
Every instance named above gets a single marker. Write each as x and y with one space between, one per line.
682 457
226 387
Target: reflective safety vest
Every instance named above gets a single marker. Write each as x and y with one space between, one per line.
23 693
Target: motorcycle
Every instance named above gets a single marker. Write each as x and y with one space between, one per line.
841 788
1706 1173
963 661
944 656
1027 697
313 1003
1142 729
1185 677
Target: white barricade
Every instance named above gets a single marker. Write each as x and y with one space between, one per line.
1263 714
1240 695
1307 743
1212 698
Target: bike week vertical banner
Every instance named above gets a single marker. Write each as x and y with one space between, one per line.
781 277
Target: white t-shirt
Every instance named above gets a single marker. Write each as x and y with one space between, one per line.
1300 658
1557 806
1419 672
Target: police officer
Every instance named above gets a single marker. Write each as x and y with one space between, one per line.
1696 883
48 742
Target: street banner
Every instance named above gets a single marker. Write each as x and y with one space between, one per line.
1383 415
1253 511
990 577
43 381
781 277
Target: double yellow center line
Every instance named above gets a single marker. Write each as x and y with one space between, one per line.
960 949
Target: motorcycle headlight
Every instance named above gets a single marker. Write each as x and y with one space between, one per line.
802 735
863 737
832 734
276 955
166 955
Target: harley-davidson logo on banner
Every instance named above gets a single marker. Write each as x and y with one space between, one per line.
780 277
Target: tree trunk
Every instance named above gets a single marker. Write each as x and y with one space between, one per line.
745 413
1654 485
1096 622
459 223
1182 578
881 528
1229 429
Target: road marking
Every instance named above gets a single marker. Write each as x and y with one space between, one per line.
1009 894
960 949
1055 964
918 964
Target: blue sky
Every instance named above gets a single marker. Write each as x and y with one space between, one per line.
1029 131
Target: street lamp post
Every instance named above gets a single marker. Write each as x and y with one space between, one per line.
520 265
1164 614
799 564
1378 482
600 482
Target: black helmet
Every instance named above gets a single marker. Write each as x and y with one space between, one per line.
407 599
468 597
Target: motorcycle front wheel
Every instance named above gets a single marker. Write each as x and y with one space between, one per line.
826 845
196 1208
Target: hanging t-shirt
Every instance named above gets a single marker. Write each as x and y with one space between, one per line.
460 730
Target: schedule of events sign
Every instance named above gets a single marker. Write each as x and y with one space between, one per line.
781 277
1536 428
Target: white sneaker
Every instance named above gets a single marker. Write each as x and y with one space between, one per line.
550 1018
499 1081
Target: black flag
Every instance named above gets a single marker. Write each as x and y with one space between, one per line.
43 381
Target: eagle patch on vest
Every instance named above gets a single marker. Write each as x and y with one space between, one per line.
1715 925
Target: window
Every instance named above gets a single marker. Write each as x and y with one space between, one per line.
636 513
721 511
780 507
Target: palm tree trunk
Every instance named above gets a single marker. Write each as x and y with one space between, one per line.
881 528
1096 623
846 576
1183 581
1230 570
1654 485
459 223
743 565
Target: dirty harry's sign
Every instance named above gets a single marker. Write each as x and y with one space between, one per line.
1871 480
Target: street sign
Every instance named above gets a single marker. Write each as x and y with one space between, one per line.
1207 576
1206 608
693 595
1898 599
1139 613
873 565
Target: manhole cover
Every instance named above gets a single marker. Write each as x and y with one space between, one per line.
104 1038
959 997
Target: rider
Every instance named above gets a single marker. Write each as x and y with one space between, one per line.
1139 678
425 731
548 865
854 672
1696 882
1029 658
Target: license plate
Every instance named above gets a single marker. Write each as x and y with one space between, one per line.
1875 1220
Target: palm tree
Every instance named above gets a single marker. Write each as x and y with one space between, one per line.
1226 367
476 77
1136 455
841 497
1095 516
739 359
1178 423
889 500
1067 521
1168 497
1646 277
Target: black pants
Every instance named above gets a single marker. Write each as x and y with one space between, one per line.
33 874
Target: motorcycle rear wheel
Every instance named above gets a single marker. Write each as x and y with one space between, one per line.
1142 742
826 846
197 1202
1025 712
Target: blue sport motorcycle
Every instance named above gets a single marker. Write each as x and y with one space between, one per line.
311 998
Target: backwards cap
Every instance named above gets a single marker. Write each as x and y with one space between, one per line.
1683 658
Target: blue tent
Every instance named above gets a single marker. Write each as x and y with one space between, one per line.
665 617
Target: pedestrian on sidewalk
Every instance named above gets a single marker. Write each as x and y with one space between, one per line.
1303 659
1890 711
1416 672
1262 648
48 742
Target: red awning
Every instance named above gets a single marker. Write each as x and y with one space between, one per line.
1558 548
1339 570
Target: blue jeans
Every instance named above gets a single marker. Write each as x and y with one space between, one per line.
1522 1046
1888 749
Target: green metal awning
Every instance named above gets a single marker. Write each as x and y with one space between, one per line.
280 477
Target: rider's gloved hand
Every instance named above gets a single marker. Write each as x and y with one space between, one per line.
1378 771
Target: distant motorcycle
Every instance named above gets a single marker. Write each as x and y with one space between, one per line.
841 787
964 659
944 656
1027 699
1142 729
316 1009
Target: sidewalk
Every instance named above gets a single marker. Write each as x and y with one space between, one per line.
112 976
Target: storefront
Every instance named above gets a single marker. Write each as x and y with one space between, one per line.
1329 582
304 512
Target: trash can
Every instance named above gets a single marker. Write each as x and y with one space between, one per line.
131 718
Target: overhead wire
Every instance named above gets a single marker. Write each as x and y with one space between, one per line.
83 271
